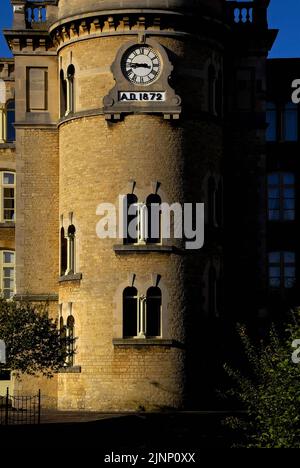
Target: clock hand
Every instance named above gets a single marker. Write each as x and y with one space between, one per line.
139 65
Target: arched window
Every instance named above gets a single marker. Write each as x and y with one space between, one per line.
281 196
130 312
71 250
10 121
63 94
7 258
271 118
63 252
153 312
70 333
211 89
130 237
153 203
290 122
8 187
70 89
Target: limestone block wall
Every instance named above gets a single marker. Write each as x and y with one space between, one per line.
97 162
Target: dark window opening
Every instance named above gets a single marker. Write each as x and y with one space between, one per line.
153 203
153 314
129 219
10 119
63 252
130 312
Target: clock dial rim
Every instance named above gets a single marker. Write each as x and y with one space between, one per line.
150 80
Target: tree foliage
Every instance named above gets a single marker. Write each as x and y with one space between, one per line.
271 396
34 345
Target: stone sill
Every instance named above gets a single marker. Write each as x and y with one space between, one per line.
9 224
142 342
70 370
36 297
7 145
73 277
132 249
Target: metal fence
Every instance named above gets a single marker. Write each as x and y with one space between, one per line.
20 409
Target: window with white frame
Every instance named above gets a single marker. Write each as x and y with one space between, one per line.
68 251
143 220
8 190
7 266
142 313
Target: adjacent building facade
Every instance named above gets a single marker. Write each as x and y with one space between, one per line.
159 102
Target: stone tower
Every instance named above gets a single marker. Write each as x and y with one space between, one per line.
120 98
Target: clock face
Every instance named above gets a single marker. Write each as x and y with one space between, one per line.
141 65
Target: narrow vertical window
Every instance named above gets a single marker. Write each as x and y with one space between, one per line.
153 203
8 196
70 334
130 312
71 250
271 118
282 270
70 89
63 252
63 94
130 233
281 196
153 312
8 273
62 332
290 122
10 121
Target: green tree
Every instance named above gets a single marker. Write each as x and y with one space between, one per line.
271 396
34 345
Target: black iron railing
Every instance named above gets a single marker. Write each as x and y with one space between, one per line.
20 409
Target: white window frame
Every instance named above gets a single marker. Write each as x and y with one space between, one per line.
2 198
7 265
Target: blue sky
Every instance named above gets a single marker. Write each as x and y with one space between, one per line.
284 15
